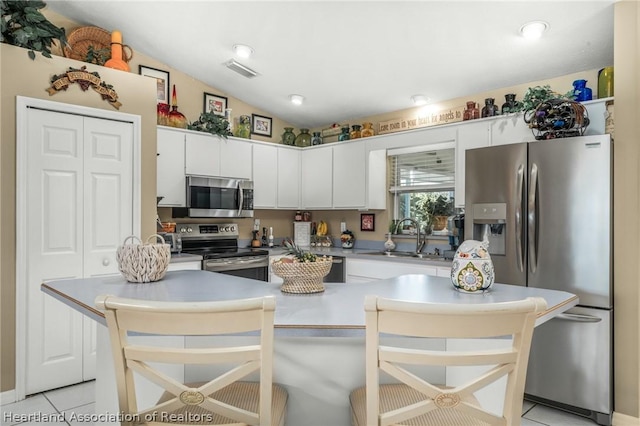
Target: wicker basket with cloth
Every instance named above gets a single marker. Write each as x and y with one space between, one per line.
82 39
143 262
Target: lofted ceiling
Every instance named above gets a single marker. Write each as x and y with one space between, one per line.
352 59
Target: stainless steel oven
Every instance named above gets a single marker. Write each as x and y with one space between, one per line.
219 197
218 246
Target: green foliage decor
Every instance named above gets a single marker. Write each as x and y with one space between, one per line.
23 25
211 123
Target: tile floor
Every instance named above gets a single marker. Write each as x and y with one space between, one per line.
68 406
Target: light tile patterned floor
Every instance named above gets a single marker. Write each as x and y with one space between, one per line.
71 406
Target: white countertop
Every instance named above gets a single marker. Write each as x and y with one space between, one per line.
338 311
184 257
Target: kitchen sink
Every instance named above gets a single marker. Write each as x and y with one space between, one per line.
427 256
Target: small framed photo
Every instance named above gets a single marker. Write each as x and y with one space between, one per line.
215 103
162 79
367 222
261 125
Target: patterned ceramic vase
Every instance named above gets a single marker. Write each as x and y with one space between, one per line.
472 269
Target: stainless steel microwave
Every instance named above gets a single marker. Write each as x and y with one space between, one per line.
219 197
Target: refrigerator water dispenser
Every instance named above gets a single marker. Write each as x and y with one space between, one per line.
489 223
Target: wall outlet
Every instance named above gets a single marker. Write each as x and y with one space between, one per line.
343 226
256 224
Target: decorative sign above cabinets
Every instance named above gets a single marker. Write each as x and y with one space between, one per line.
451 115
85 79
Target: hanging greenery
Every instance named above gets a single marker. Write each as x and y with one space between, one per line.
23 25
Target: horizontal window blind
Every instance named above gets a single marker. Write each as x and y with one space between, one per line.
423 171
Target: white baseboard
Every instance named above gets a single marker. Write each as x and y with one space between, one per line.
8 397
624 420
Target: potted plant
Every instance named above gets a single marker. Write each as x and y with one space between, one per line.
23 25
212 123
438 209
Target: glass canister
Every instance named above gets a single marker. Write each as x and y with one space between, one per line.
489 109
581 92
355 132
470 112
367 130
510 104
316 139
288 137
605 82
304 138
344 136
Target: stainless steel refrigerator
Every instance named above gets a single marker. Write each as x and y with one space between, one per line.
546 209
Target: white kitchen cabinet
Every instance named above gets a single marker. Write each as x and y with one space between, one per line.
316 176
288 178
349 175
202 154
170 178
265 176
470 135
360 270
185 266
235 158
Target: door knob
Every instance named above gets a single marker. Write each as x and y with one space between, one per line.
105 262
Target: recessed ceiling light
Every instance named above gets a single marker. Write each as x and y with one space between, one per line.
419 99
242 50
296 99
533 30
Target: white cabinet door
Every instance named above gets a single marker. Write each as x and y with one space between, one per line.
470 135
235 158
265 176
359 270
316 175
349 175
170 178
202 155
510 129
288 178
79 208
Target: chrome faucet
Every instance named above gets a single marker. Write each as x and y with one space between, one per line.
419 245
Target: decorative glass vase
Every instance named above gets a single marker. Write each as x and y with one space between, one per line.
367 130
489 109
605 82
288 137
356 133
163 114
316 139
389 245
471 112
581 92
176 118
304 138
510 104
344 136
243 129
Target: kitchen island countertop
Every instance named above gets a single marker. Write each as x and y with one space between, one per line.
338 311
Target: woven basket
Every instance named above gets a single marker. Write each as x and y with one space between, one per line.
81 38
305 277
143 263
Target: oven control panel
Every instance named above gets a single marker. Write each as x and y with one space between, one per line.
207 230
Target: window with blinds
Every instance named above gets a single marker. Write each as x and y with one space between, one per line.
424 171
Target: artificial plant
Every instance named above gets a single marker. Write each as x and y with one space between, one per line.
211 123
23 25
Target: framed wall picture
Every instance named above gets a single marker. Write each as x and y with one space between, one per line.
261 125
215 103
367 222
162 79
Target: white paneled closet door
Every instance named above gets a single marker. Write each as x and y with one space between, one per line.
79 207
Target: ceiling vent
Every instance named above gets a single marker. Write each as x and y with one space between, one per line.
236 66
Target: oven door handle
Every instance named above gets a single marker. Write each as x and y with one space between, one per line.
240 199
236 263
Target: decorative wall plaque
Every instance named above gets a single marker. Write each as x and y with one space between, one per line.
85 79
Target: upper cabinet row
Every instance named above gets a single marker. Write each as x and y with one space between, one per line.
324 177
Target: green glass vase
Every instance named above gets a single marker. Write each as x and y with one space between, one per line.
304 138
288 137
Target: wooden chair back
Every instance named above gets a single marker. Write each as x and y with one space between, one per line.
456 321
126 316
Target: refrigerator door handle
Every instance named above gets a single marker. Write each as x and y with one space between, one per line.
519 230
531 218
578 318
